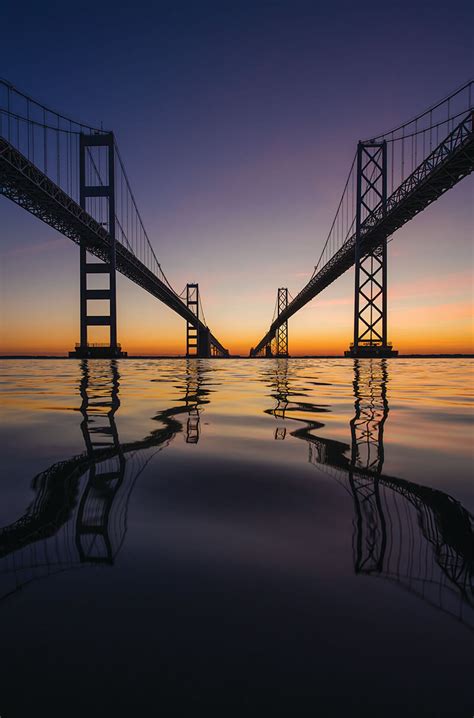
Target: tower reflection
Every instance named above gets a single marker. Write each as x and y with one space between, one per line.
100 401
79 514
417 537
371 411
194 399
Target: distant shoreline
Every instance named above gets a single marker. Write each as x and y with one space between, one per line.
306 356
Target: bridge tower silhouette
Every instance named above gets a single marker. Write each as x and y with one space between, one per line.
370 298
278 344
103 188
282 331
197 338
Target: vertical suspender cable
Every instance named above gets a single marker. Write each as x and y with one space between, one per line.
58 159
45 143
27 129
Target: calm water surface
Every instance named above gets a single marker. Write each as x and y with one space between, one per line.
274 537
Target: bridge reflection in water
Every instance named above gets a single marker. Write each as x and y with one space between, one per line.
79 515
420 538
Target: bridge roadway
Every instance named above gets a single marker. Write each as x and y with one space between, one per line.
25 184
444 167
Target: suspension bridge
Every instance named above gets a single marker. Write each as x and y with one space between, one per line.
393 177
72 177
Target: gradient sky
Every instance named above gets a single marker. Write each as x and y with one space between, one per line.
238 123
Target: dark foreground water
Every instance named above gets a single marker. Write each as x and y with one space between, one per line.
256 537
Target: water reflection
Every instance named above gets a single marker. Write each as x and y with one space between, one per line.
404 532
79 514
418 537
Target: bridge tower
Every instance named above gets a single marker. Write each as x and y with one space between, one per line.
278 346
93 149
370 301
282 331
197 338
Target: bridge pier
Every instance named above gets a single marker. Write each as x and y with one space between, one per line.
103 188
370 299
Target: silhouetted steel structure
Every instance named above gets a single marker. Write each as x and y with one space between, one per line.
192 302
393 177
282 331
72 177
278 345
198 342
103 189
370 302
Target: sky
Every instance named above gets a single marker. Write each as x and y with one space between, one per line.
237 123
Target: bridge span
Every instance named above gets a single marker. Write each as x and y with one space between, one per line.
393 177
72 177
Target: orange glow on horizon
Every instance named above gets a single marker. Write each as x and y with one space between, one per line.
427 315
441 329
